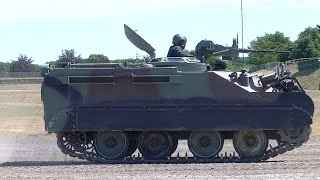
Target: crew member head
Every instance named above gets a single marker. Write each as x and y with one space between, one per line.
179 40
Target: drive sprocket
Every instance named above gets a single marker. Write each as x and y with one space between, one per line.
295 136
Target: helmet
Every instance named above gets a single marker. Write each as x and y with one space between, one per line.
178 38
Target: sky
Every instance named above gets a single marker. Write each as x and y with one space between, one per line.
41 29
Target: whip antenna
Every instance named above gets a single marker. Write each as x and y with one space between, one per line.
242 29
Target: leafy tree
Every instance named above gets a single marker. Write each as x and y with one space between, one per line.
69 55
143 59
212 59
192 52
125 61
52 63
239 64
308 44
38 67
276 41
23 64
4 67
97 58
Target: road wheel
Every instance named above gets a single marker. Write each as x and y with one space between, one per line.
250 144
155 145
111 145
205 144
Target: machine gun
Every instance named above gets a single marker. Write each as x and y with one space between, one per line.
207 48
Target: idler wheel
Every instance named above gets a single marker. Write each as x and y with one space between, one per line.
295 136
205 144
111 144
250 144
155 145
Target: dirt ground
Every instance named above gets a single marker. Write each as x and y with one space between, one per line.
27 152
37 157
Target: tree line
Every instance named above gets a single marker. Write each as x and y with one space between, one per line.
307 45
25 64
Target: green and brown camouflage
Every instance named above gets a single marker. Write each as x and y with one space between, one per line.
114 109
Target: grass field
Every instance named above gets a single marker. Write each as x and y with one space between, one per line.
309 79
21 109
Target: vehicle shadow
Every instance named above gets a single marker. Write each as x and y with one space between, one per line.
44 163
71 163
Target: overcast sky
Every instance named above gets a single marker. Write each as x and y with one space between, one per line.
41 29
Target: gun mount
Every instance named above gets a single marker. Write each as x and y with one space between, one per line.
207 48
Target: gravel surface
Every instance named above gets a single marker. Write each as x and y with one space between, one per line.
38 157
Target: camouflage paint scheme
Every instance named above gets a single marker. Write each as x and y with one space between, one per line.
105 112
167 96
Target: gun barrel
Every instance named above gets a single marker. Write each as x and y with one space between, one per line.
262 51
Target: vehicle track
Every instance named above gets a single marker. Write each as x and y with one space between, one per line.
38 157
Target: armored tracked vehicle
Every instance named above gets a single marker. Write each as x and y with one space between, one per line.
105 112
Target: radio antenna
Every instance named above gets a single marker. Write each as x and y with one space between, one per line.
242 29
